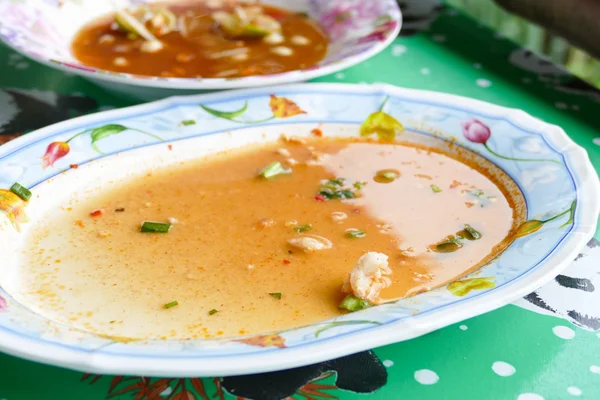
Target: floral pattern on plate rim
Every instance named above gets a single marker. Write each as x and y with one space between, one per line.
316 104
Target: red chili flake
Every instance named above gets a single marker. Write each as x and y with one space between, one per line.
170 147
319 198
455 184
74 166
97 213
317 132
286 261
469 204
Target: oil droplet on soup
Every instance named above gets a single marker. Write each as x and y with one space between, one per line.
235 260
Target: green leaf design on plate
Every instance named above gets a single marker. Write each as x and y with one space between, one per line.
226 114
462 288
335 324
571 214
104 132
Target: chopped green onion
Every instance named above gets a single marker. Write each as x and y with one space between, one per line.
353 303
356 234
273 169
303 228
359 185
435 188
188 122
21 191
120 209
275 295
171 304
476 192
448 245
213 312
471 234
155 227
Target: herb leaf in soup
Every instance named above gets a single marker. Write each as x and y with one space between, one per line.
275 295
213 311
469 233
353 303
303 228
435 189
274 169
336 194
334 183
386 176
448 245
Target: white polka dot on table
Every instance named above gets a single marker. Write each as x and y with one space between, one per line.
340 75
484 83
398 50
426 377
530 396
167 391
574 391
22 65
477 66
425 71
564 332
561 106
596 141
595 369
463 327
388 363
503 368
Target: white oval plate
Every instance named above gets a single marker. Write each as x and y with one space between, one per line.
560 187
43 30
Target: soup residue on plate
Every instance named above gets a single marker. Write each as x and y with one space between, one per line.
264 238
201 39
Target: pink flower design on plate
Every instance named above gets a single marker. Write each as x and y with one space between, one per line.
3 305
478 132
344 16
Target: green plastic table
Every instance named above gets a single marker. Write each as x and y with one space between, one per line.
534 349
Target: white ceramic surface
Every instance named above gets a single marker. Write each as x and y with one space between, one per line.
555 176
43 29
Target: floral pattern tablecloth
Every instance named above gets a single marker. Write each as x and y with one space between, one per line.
544 346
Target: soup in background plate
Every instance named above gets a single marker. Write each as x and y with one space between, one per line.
203 39
267 238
